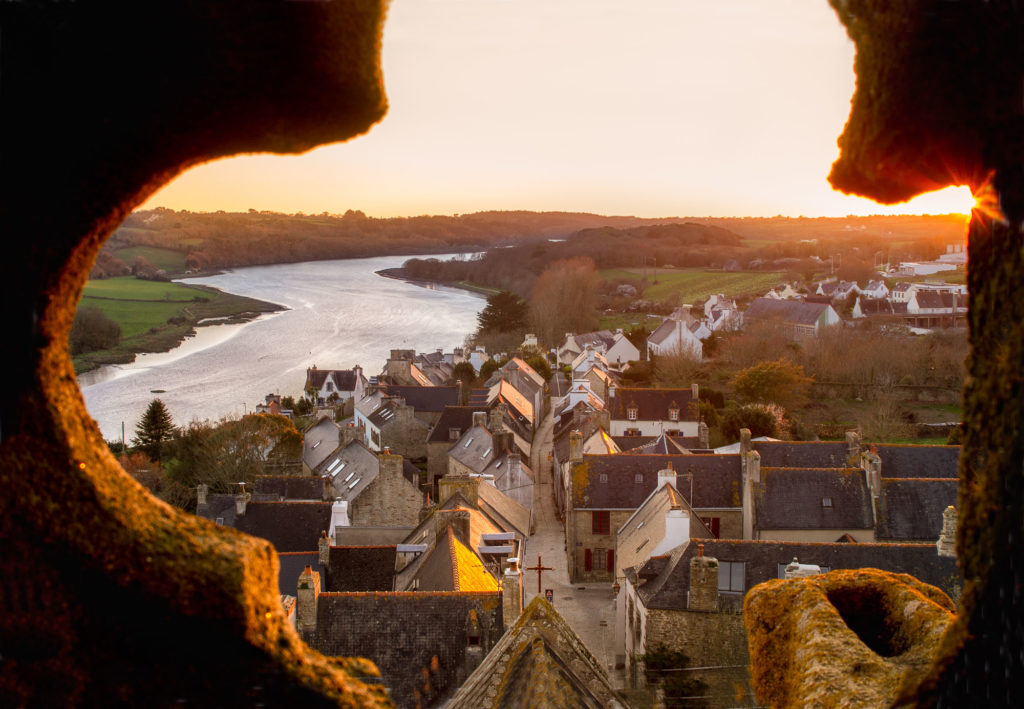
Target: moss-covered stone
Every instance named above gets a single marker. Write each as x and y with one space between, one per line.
848 638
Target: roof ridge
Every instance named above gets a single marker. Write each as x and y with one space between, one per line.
453 558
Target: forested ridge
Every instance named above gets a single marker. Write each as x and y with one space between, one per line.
216 240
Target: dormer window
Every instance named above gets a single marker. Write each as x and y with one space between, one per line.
673 412
632 412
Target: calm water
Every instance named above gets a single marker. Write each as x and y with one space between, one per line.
341 314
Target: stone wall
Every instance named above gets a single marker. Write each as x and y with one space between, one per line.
437 459
405 434
583 538
390 500
709 639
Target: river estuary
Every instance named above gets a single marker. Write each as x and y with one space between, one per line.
341 313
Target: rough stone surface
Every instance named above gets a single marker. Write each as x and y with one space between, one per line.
848 638
88 553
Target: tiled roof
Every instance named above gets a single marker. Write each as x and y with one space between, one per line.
792 311
539 662
716 480
288 487
451 566
369 568
516 399
908 461
652 404
289 526
668 588
431 399
812 498
801 454
911 509
460 417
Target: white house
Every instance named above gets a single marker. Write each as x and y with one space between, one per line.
875 289
652 412
322 384
674 337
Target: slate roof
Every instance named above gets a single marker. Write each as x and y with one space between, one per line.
539 662
512 396
663 445
426 399
460 417
289 526
503 509
408 636
475 449
669 578
478 397
599 338
792 311
640 535
369 568
909 461
517 364
663 331
801 454
938 300
384 414
291 566
319 441
652 404
876 306
910 509
218 505
371 536
716 480
795 498
350 470
344 379
288 487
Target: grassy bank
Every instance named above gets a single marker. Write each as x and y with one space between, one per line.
155 316
694 285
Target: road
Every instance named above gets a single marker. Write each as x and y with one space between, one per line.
589 609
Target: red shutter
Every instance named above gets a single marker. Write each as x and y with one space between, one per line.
611 560
588 560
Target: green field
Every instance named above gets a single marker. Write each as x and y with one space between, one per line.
145 309
695 285
167 259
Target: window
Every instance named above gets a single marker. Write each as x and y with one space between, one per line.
220 520
826 502
638 478
600 522
631 432
731 576
631 413
642 545
600 559
673 414
714 525
603 477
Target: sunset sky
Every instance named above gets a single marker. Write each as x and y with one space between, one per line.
651 108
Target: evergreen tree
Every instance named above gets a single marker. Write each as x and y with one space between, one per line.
154 430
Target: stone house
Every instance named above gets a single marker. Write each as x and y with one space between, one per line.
605 490
797 319
424 644
378 489
426 402
401 369
692 598
651 412
394 426
447 430
616 347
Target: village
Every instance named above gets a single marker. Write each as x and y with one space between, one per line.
429 517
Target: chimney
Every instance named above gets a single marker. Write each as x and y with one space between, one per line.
449 484
511 592
350 432
496 423
458 520
454 434
306 600
339 518
667 476
695 391
853 449
575 446
324 549
677 528
480 418
704 435
201 491
872 464
744 440
947 538
389 465
703 582
241 501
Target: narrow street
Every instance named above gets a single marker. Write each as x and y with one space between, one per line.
589 609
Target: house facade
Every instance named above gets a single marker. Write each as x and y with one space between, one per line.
651 412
